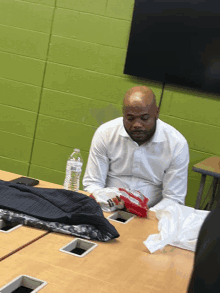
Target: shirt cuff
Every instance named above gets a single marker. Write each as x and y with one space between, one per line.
165 202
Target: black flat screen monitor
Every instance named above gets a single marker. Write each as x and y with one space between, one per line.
176 42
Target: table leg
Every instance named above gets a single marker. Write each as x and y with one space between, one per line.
199 196
215 183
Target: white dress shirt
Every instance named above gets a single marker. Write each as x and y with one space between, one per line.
157 168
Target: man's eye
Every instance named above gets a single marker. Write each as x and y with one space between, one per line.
145 118
130 118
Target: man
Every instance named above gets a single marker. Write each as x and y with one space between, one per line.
139 152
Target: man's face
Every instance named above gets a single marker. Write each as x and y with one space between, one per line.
140 122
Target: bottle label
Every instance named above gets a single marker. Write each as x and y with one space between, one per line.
76 167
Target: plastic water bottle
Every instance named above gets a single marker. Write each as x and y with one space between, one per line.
73 171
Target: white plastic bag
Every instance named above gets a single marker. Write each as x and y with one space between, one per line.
179 226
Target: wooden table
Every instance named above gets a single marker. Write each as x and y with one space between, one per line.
7 176
58 281
120 265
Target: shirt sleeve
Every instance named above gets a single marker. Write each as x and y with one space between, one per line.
176 178
97 165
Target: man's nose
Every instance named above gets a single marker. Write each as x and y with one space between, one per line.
137 124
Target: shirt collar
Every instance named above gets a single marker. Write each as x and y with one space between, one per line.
158 135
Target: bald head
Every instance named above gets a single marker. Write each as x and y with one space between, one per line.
139 96
140 113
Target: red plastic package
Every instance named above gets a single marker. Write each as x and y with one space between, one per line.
134 201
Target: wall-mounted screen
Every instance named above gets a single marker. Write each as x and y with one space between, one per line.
177 42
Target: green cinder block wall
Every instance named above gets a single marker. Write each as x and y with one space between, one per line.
61 76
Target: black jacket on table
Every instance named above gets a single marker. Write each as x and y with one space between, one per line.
56 205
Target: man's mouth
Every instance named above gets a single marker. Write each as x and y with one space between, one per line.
137 133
